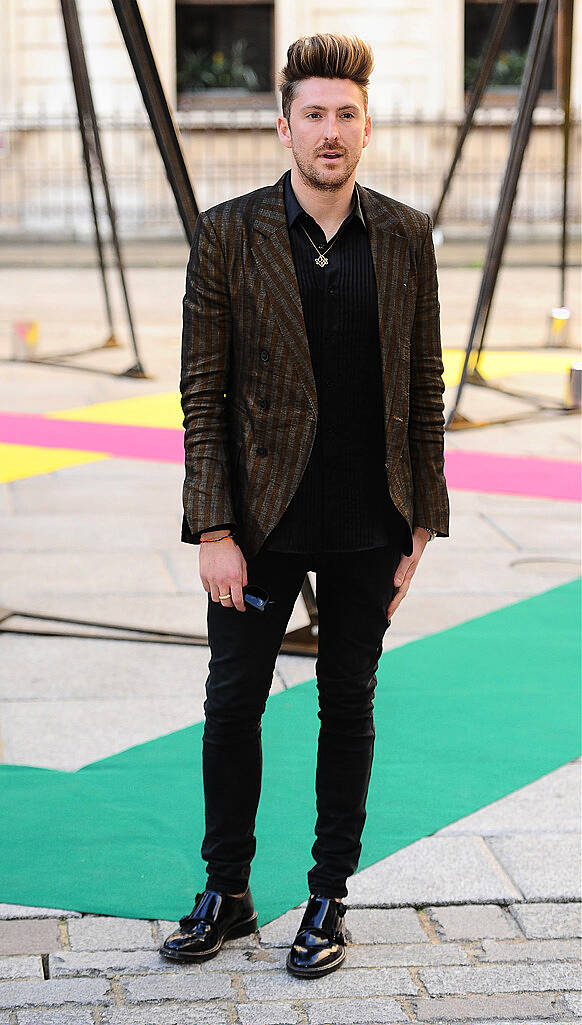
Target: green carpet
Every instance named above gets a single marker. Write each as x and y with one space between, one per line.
463 718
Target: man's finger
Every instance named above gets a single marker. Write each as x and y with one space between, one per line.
401 570
224 588
237 597
397 598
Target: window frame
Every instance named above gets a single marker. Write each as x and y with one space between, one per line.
547 97
208 99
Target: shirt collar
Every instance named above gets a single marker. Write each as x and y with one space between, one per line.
293 207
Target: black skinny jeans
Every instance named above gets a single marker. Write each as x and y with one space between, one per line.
353 592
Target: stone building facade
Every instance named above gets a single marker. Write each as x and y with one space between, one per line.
417 97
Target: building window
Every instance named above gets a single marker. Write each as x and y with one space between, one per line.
224 49
507 72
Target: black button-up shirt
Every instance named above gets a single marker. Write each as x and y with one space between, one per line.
342 502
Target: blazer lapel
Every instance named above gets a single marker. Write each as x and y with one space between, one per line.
272 252
391 256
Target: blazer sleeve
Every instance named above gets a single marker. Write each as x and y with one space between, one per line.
426 412
206 339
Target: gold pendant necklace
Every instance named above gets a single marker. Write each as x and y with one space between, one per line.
321 260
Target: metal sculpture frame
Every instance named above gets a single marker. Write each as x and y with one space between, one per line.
538 50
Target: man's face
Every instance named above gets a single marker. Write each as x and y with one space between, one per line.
327 130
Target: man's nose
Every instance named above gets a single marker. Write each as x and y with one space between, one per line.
331 129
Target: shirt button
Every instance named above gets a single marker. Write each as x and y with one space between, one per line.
262 403
264 355
331 291
261 451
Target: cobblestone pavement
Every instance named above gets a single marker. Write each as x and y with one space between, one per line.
492 962
480 922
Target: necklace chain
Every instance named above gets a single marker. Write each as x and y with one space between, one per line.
321 260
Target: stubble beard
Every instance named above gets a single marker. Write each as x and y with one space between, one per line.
310 176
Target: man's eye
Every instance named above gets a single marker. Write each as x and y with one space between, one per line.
313 114
347 113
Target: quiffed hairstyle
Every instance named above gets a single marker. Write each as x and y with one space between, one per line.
325 55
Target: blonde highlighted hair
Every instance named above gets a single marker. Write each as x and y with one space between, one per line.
325 55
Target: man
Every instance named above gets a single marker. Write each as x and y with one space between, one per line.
312 396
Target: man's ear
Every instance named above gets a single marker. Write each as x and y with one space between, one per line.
284 132
367 130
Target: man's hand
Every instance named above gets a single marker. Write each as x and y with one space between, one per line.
407 567
223 569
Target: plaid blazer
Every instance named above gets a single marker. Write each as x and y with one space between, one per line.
244 341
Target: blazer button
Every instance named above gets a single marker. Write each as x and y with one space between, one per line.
262 451
262 404
264 355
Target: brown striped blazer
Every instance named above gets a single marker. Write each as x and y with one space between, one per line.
244 341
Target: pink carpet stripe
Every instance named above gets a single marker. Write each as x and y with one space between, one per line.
513 475
160 444
465 471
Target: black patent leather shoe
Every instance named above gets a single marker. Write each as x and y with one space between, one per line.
320 944
214 918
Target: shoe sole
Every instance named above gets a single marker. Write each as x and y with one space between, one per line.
314 973
240 929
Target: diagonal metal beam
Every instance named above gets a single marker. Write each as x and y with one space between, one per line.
144 65
500 23
536 57
92 151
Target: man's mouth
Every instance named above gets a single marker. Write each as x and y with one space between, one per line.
331 154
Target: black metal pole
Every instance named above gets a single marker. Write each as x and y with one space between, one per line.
499 25
72 46
568 21
79 68
536 56
144 65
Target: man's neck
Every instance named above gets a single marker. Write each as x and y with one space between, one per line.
328 209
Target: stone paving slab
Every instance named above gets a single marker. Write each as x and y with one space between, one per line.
73 963
29 936
274 1013
21 966
366 982
537 534
573 1002
178 986
551 804
105 533
56 1016
528 950
485 1008
87 730
507 978
399 925
24 911
155 612
86 572
494 572
434 870
167 1014
405 954
544 867
473 922
549 921
54 991
437 614
96 932
354 1012
103 670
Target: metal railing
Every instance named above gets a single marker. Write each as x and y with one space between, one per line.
43 192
